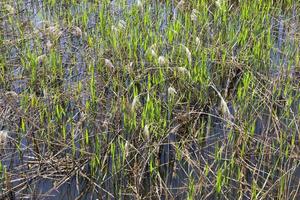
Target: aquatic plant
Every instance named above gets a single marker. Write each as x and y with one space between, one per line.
149 99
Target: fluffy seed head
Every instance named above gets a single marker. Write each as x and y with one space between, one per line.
198 41
126 148
122 24
153 53
9 9
139 4
184 71
146 132
135 103
108 63
180 5
220 4
3 139
53 31
171 91
162 61
3 136
77 31
151 50
114 28
49 45
188 54
194 15
41 58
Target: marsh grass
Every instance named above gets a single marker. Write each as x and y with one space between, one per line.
150 99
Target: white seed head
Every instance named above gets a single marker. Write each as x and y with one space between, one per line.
122 24
77 31
151 50
220 3
153 46
171 91
58 34
223 105
9 9
139 4
126 148
129 67
49 45
162 61
146 132
180 5
114 29
52 29
11 93
225 110
3 137
41 58
194 15
153 53
198 42
108 63
188 54
184 71
135 103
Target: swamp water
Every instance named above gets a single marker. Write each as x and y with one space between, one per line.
64 163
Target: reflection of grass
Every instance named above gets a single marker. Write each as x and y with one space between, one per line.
144 101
